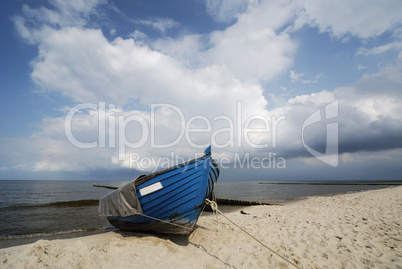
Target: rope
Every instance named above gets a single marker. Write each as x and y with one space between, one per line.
214 207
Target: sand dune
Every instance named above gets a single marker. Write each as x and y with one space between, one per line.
359 230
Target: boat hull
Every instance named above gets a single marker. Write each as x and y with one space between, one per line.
153 226
172 199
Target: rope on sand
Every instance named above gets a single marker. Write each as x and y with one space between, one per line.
214 207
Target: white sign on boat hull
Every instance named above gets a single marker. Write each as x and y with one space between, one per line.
151 188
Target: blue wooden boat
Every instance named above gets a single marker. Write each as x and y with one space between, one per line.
167 201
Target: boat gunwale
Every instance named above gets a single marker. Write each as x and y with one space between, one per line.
142 179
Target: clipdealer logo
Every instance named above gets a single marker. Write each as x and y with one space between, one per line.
238 130
112 125
329 116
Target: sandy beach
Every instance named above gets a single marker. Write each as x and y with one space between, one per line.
358 230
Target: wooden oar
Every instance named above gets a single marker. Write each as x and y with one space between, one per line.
107 187
221 201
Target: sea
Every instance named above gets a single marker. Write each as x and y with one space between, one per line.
44 209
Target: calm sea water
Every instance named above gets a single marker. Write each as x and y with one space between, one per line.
30 210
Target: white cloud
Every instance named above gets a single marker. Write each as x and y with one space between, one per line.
124 70
22 30
360 18
381 49
226 10
138 36
119 72
364 117
314 99
361 67
65 13
250 48
160 24
251 53
297 78
204 75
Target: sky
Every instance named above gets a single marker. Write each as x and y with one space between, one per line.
281 90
